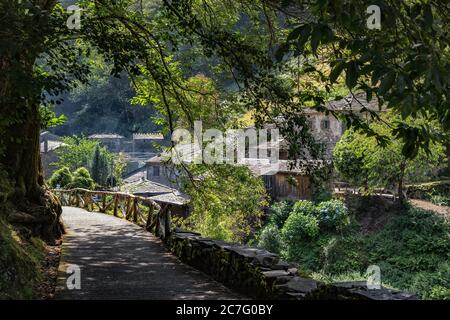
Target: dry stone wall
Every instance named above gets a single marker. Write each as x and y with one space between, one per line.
260 274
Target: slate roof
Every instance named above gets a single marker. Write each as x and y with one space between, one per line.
51 145
145 187
176 198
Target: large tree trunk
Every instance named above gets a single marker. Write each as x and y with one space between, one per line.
28 201
24 197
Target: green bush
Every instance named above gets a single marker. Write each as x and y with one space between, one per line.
270 239
305 207
299 227
332 214
279 212
440 200
61 177
82 179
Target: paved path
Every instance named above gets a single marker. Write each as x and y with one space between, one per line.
119 260
427 205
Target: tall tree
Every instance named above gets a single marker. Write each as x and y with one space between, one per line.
100 166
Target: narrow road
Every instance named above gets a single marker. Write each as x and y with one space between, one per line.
427 205
118 260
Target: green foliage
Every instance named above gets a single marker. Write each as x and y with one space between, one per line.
77 152
279 212
61 177
21 259
100 166
226 201
270 239
82 179
299 227
332 214
412 252
120 163
49 119
81 152
440 200
400 74
359 159
412 249
305 207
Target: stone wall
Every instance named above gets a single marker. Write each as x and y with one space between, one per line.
260 274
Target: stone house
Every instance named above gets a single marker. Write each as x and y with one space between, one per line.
49 143
114 142
143 142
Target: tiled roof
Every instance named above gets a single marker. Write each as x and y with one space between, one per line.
51 145
172 198
145 186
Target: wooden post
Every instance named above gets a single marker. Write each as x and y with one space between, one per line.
103 209
135 210
149 218
116 200
128 208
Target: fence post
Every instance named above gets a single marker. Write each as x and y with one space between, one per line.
116 200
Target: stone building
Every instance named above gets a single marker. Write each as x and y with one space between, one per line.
114 142
49 143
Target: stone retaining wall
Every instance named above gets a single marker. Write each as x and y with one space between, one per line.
260 274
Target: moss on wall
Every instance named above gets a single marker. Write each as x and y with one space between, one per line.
21 257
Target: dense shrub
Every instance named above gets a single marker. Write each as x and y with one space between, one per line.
270 239
279 212
305 207
412 250
299 227
440 199
332 214
61 177
82 179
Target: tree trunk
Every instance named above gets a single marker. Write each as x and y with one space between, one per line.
24 198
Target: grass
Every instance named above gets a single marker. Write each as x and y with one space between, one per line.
21 257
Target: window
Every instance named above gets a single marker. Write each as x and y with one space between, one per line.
153 171
156 171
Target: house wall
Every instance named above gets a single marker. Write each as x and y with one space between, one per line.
165 177
278 186
48 158
113 144
330 134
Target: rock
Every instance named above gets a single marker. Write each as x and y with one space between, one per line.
300 285
293 271
280 265
275 273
